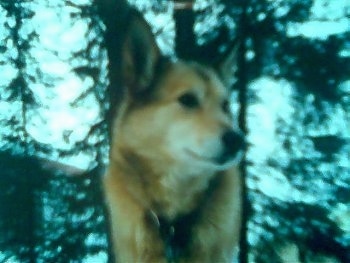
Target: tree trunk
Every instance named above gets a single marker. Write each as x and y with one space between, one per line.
185 41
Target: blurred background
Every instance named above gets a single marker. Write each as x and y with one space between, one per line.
291 95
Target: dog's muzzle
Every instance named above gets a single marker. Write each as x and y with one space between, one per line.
233 143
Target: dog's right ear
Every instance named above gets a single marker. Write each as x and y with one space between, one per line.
227 66
140 54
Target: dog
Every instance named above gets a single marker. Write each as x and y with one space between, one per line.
172 187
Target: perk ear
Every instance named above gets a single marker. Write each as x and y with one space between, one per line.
140 54
227 66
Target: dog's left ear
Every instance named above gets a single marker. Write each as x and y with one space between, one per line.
140 54
227 66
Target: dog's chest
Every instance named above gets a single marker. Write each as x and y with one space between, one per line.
180 196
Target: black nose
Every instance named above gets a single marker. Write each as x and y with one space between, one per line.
233 142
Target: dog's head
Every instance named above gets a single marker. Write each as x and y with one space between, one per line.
176 113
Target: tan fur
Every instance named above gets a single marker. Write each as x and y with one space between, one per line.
161 164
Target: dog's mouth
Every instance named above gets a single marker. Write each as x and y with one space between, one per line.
223 160
199 157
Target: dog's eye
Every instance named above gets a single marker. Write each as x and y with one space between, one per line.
189 100
226 106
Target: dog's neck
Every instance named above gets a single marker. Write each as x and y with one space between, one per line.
176 232
166 192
